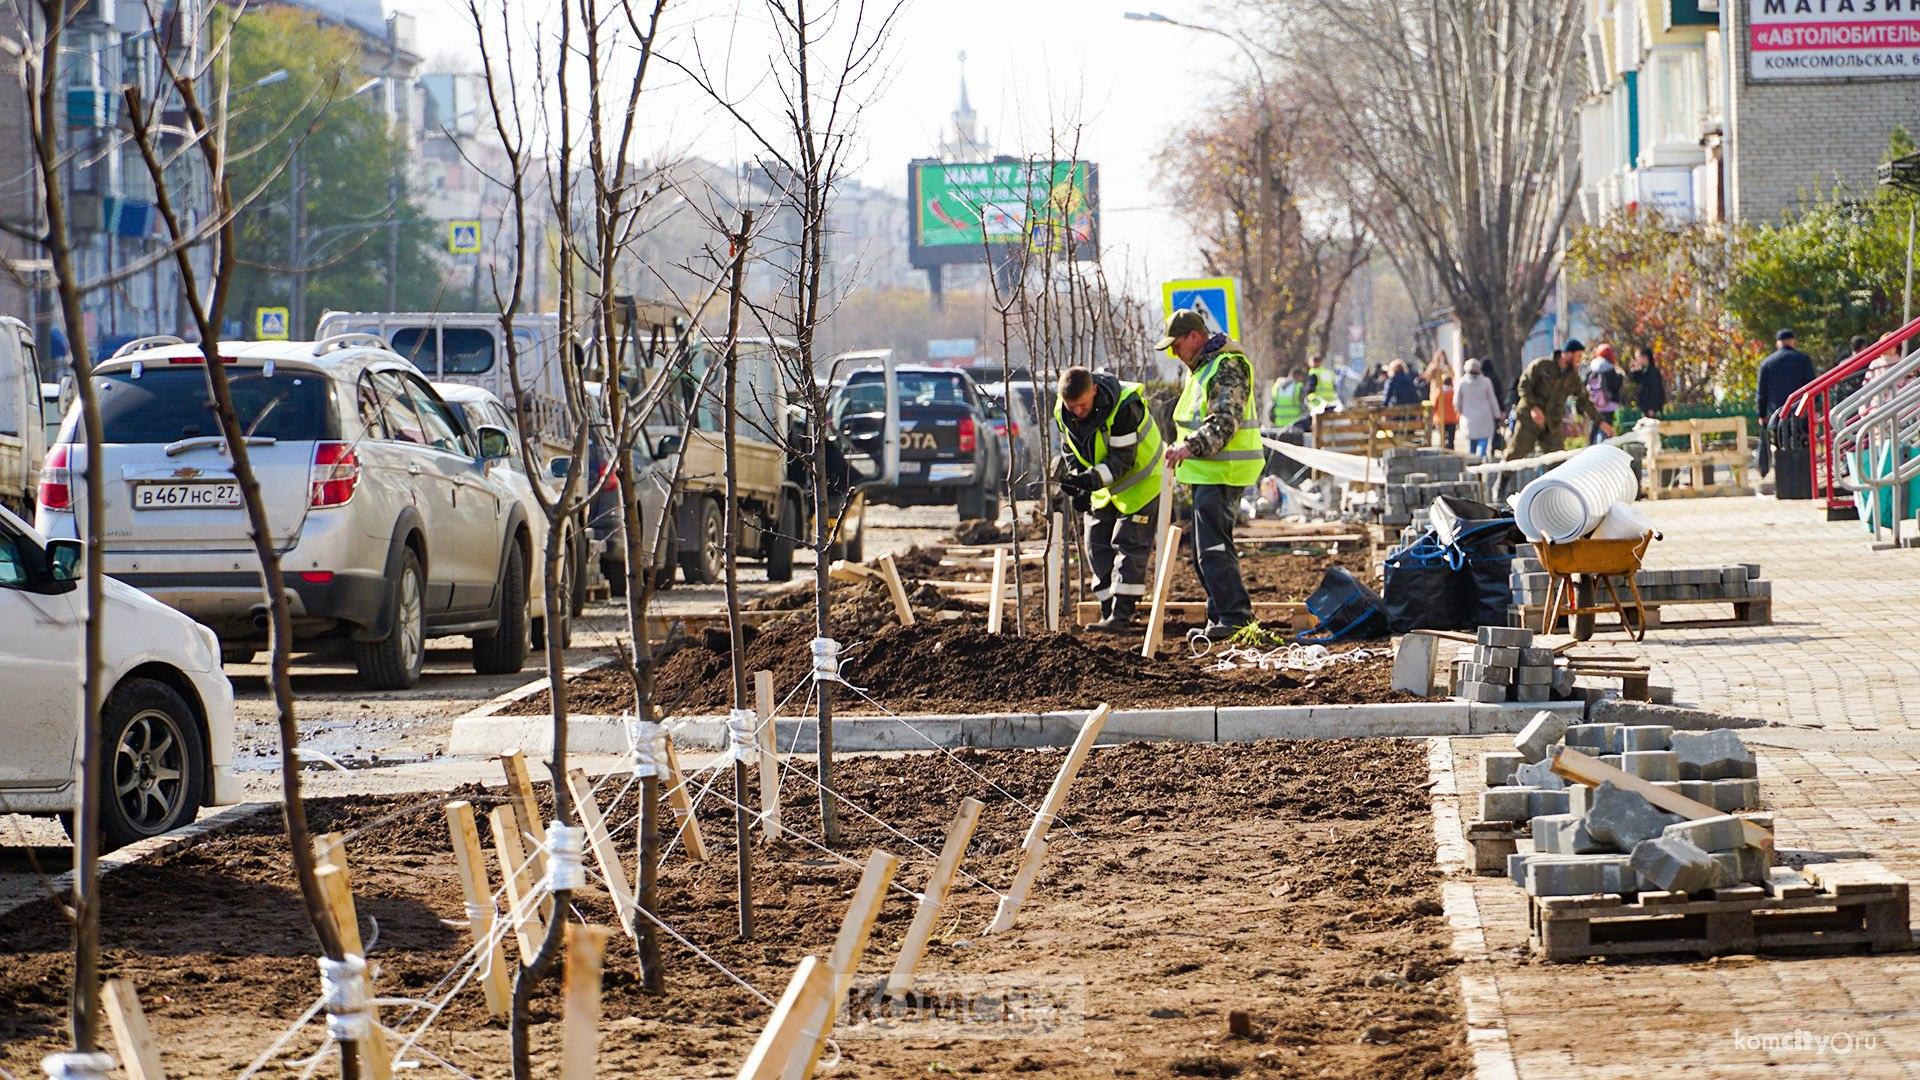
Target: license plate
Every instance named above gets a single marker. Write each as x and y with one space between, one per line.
949 472
184 496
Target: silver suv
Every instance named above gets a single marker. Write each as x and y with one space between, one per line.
391 522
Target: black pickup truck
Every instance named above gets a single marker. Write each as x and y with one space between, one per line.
948 452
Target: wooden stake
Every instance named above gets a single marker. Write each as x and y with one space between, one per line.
375 1057
580 1026
769 763
997 599
604 853
844 961
138 1055
473 882
517 871
533 832
682 803
1034 847
1056 549
811 983
959 834
1162 583
901 608
330 849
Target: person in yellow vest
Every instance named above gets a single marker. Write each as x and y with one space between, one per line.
1322 392
1287 405
1110 465
1217 453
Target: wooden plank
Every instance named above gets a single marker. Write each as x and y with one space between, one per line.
997 596
612 870
1574 765
375 1057
914 946
682 804
330 849
533 832
580 1024
517 871
1056 550
1034 847
769 763
811 983
842 570
1162 582
901 609
844 961
131 1033
480 909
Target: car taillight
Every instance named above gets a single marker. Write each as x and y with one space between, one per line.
1013 429
56 480
336 472
966 434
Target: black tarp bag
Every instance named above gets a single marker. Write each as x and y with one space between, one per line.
1423 590
1346 609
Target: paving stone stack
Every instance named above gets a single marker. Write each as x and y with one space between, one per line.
1503 665
1530 582
1608 839
1417 475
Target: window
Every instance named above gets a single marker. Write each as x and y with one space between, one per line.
368 401
171 403
402 424
443 430
466 350
13 570
416 343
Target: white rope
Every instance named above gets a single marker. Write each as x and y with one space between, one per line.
565 871
72 1065
1293 656
815 844
479 913
343 994
697 951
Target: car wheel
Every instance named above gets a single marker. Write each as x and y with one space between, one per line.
504 649
708 560
395 662
780 544
155 762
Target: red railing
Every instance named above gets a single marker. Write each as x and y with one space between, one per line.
1815 402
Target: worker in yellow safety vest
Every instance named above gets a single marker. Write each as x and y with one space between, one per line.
1322 394
1110 465
1218 453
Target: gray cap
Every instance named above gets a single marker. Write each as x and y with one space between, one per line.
1180 324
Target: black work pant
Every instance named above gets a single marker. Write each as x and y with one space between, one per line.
1119 548
1215 508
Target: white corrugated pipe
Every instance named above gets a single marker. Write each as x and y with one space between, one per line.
1569 500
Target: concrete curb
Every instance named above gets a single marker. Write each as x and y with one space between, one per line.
487 734
526 690
1486 1020
62 884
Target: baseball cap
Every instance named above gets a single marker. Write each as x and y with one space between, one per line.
1573 345
1784 333
1181 323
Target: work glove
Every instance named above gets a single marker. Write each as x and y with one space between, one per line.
1082 502
1079 482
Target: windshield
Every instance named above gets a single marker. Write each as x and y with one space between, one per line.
865 392
168 404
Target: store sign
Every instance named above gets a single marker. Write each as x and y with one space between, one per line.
959 212
1669 191
1833 39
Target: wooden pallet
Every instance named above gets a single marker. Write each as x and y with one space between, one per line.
1370 430
1825 907
1720 443
1752 611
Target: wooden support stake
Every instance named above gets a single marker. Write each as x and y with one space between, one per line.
473 882
580 1026
1574 765
997 599
533 832
138 1055
1162 583
1034 847
604 853
330 849
959 834
682 804
855 928
517 870
811 983
1056 550
375 1058
842 570
769 762
901 609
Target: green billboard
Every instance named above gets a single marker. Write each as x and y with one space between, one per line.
960 209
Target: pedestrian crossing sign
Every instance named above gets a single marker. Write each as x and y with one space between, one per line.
1216 298
463 237
270 323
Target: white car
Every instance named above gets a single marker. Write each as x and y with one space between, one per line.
167 721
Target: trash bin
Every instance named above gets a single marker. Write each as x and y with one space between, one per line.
1792 459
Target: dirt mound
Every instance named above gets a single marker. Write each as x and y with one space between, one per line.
979 531
1278 575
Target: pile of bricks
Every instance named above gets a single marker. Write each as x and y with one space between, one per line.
1739 583
1608 839
1503 665
1418 475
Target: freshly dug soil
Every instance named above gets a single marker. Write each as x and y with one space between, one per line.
956 666
1291 880
1278 575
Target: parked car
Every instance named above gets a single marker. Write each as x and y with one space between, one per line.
22 425
390 515
478 408
1018 419
947 451
167 717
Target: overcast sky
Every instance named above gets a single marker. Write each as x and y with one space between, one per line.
1130 84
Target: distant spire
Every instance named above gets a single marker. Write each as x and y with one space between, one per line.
966 142
964 114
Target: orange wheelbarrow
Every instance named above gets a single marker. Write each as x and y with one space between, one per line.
1597 561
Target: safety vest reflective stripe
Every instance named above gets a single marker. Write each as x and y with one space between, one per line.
1138 474
1241 461
1238 455
1137 488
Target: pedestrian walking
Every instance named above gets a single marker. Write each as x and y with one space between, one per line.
1545 388
1605 385
1217 454
1440 408
1649 383
1478 406
1401 387
1785 370
1110 465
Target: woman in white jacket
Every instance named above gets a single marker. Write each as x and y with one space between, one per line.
1479 407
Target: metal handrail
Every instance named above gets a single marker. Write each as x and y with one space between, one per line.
1883 416
1814 401
1860 407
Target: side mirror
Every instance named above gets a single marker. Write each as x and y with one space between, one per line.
63 564
666 447
495 443
559 467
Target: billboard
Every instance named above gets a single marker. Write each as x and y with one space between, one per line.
958 212
1823 39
